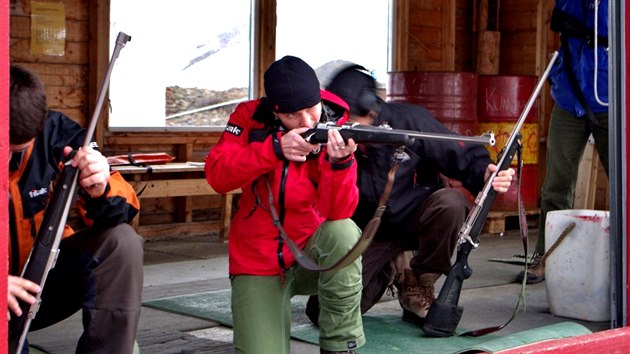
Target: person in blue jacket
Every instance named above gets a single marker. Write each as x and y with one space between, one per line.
579 88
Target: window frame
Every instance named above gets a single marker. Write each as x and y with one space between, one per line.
99 61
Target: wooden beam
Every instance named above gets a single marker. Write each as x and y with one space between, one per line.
265 42
181 229
401 35
449 9
98 55
175 188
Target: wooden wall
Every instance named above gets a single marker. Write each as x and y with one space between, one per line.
65 77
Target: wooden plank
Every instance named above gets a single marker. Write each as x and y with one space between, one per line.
488 52
495 222
175 188
172 167
586 184
180 229
74 9
160 138
448 35
66 96
75 53
76 31
401 37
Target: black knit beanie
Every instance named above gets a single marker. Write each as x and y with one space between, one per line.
291 85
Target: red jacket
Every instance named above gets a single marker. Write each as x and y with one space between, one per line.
304 194
29 187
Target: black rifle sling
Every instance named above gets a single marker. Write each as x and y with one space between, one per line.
366 236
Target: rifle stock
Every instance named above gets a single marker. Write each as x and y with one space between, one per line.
45 250
445 313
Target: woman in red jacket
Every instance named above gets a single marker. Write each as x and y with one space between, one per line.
312 188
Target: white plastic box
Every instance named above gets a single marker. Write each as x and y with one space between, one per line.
577 272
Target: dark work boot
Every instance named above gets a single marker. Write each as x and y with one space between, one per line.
416 295
535 271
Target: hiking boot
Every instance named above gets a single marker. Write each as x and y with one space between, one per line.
535 271
417 294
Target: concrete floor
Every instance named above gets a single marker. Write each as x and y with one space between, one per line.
178 266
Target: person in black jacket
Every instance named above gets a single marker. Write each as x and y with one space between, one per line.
422 215
99 268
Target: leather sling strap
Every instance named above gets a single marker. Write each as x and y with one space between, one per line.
366 236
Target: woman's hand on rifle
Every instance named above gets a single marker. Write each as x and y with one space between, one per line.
93 168
22 289
503 179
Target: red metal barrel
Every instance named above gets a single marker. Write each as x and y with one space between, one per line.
450 96
501 99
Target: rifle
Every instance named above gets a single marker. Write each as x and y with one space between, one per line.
370 135
444 314
46 247
384 134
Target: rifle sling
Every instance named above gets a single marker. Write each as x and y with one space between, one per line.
522 223
362 244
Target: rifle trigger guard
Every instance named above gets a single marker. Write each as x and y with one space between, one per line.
308 137
468 239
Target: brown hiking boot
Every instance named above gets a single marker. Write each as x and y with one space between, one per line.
535 271
417 294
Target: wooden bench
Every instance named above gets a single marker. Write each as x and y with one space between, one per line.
188 183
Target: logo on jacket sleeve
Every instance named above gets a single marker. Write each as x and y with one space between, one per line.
37 192
233 129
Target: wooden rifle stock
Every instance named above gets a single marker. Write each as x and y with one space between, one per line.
46 247
445 313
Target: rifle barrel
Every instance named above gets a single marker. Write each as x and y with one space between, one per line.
121 40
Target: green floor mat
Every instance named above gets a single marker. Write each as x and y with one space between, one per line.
385 333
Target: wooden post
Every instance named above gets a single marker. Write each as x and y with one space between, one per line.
488 37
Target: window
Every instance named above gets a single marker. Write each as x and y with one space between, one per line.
187 63
328 34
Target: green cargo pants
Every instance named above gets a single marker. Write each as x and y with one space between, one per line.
261 305
566 141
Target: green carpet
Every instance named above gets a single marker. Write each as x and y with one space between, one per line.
385 333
